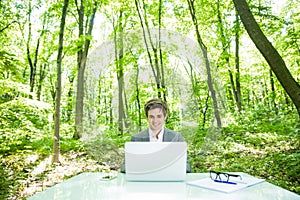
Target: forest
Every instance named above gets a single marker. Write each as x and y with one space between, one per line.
75 75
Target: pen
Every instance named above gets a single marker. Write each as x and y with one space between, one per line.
227 182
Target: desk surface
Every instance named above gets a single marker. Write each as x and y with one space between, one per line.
90 186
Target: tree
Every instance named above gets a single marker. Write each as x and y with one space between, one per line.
237 88
56 145
207 64
119 55
155 56
33 58
225 38
84 35
270 54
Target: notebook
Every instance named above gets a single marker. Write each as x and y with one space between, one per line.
207 183
155 161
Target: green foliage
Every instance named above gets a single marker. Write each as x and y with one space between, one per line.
8 65
4 185
264 148
67 143
106 147
173 120
263 140
9 90
26 132
22 121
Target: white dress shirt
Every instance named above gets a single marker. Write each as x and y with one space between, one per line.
153 138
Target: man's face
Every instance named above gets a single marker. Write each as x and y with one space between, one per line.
156 119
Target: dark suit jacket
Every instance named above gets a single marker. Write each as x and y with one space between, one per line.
169 136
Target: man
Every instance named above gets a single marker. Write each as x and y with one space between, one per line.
156 112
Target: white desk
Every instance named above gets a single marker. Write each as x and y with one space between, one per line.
89 186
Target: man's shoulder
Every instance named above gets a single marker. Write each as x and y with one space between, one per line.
171 131
143 135
144 132
171 135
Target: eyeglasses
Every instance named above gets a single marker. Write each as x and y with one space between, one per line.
222 176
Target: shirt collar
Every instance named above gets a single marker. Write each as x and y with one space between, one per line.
160 135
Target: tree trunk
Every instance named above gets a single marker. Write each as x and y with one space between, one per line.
81 63
226 55
207 65
155 60
271 55
52 89
69 109
196 94
273 92
42 77
33 63
138 97
79 100
163 85
237 63
56 145
119 53
30 62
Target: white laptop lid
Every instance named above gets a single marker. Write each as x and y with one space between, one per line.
155 161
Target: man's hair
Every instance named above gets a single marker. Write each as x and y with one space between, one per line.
156 103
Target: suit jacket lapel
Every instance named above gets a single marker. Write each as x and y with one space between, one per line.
167 135
145 136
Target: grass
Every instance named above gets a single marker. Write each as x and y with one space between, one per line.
269 155
265 150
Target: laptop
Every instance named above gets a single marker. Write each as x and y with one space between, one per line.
155 161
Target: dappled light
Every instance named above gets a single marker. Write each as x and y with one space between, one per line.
45 174
76 76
